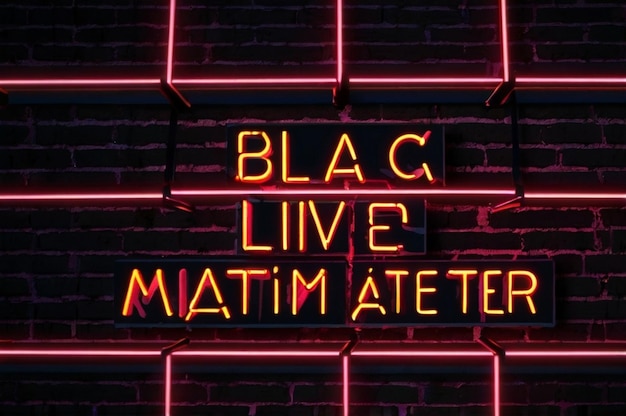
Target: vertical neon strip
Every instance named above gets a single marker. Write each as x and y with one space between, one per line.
504 39
168 384
170 42
496 385
346 381
339 41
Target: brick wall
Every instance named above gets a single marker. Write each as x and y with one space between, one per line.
56 259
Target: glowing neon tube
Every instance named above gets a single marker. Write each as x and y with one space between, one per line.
339 41
267 81
168 385
170 42
78 353
423 354
82 82
345 360
504 41
445 81
256 353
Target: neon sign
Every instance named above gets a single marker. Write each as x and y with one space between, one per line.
337 155
347 258
243 292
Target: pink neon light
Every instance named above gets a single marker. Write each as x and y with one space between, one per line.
95 82
78 353
253 81
573 195
170 42
350 192
256 353
432 353
496 385
339 41
570 80
425 80
79 197
346 382
504 40
168 384
567 353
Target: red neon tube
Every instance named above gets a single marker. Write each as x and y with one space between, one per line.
78 353
504 39
445 81
339 41
168 384
424 354
571 80
346 384
496 385
567 354
170 42
83 82
267 81
256 353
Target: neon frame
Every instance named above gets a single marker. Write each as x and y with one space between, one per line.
591 82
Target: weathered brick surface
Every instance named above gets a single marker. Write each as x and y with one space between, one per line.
56 260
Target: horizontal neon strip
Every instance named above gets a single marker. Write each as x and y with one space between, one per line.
434 353
570 80
566 354
253 353
252 81
95 82
309 193
574 195
425 80
311 353
79 353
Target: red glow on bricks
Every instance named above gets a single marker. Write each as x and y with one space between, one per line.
345 361
168 384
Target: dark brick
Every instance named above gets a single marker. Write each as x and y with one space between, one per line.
15 241
49 331
130 158
182 392
558 240
473 240
570 332
535 218
615 133
575 14
464 393
385 394
97 331
616 394
20 331
253 393
579 393
151 241
456 219
80 241
95 310
315 393
605 263
35 159
559 132
73 135
577 286
57 310
31 263
537 158
284 411
54 287
594 158
10 311
616 286
374 410
618 239
465 157
74 179
613 216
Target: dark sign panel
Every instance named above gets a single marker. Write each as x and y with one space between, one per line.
396 155
243 292
383 227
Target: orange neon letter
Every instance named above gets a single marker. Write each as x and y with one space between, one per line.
245 283
488 291
207 280
373 207
301 226
368 286
465 276
421 141
246 229
397 274
136 285
298 296
522 292
285 163
419 290
332 167
326 239
285 224
262 155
